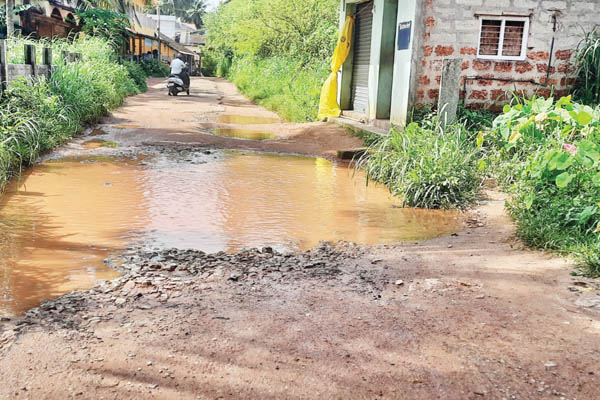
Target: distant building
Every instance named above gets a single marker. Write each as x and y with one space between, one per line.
144 40
54 18
399 47
174 28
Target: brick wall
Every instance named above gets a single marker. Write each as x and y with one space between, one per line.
452 30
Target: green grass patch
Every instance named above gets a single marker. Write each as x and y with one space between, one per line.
427 166
36 116
288 87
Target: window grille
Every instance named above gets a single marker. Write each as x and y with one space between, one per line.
503 38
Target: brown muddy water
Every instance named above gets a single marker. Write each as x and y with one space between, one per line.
246 119
64 217
240 131
244 133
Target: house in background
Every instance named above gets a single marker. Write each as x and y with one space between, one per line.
144 41
175 29
48 18
399 47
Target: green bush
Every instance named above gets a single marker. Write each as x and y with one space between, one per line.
37 116
155 68
286 86
210 61
426 165
276 51
137 73
547 154
587 64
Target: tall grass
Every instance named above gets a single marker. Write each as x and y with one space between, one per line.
284 85
587 63
37 115
426 165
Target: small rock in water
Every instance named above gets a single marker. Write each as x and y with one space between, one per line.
399 282
550 364
120 301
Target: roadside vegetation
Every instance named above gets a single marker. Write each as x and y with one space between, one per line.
40 114
427 165
544 152
276 51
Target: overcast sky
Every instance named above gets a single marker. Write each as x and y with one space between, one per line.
212 4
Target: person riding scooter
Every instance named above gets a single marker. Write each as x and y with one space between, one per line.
179 70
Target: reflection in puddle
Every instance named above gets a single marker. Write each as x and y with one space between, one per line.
246 120
97 143
64 217
244 134
58 224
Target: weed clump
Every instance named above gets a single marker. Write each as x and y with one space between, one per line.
426 165
38 115
546 153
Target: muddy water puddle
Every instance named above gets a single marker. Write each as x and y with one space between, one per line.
64 217
244 133
97 143
246 119
240 131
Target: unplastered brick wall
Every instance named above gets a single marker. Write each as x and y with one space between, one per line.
452 31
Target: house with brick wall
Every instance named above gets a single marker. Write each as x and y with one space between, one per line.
399 47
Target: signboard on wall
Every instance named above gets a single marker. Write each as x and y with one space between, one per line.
404 31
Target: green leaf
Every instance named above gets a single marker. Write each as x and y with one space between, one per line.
563 180
596 179
585 215
506 108
581 117
529 201
480 138
560 161
481 165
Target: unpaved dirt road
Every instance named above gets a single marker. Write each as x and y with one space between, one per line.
469 316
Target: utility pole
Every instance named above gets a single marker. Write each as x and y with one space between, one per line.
159 42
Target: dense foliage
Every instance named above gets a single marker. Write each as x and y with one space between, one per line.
36 116
547 155
426 165
261 45
188 10
106 24
155 68
587 63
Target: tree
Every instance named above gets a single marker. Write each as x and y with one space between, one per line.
191 11
110 25
195 14
10 11
119 6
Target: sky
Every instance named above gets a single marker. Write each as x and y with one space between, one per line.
212 4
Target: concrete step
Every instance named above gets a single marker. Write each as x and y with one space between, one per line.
351 154
359 127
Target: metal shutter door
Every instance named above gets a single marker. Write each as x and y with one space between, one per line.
362 57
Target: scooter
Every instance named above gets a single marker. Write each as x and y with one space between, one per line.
176 85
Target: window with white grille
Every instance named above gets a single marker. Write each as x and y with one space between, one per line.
503 38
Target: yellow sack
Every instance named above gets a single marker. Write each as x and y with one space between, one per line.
328 106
